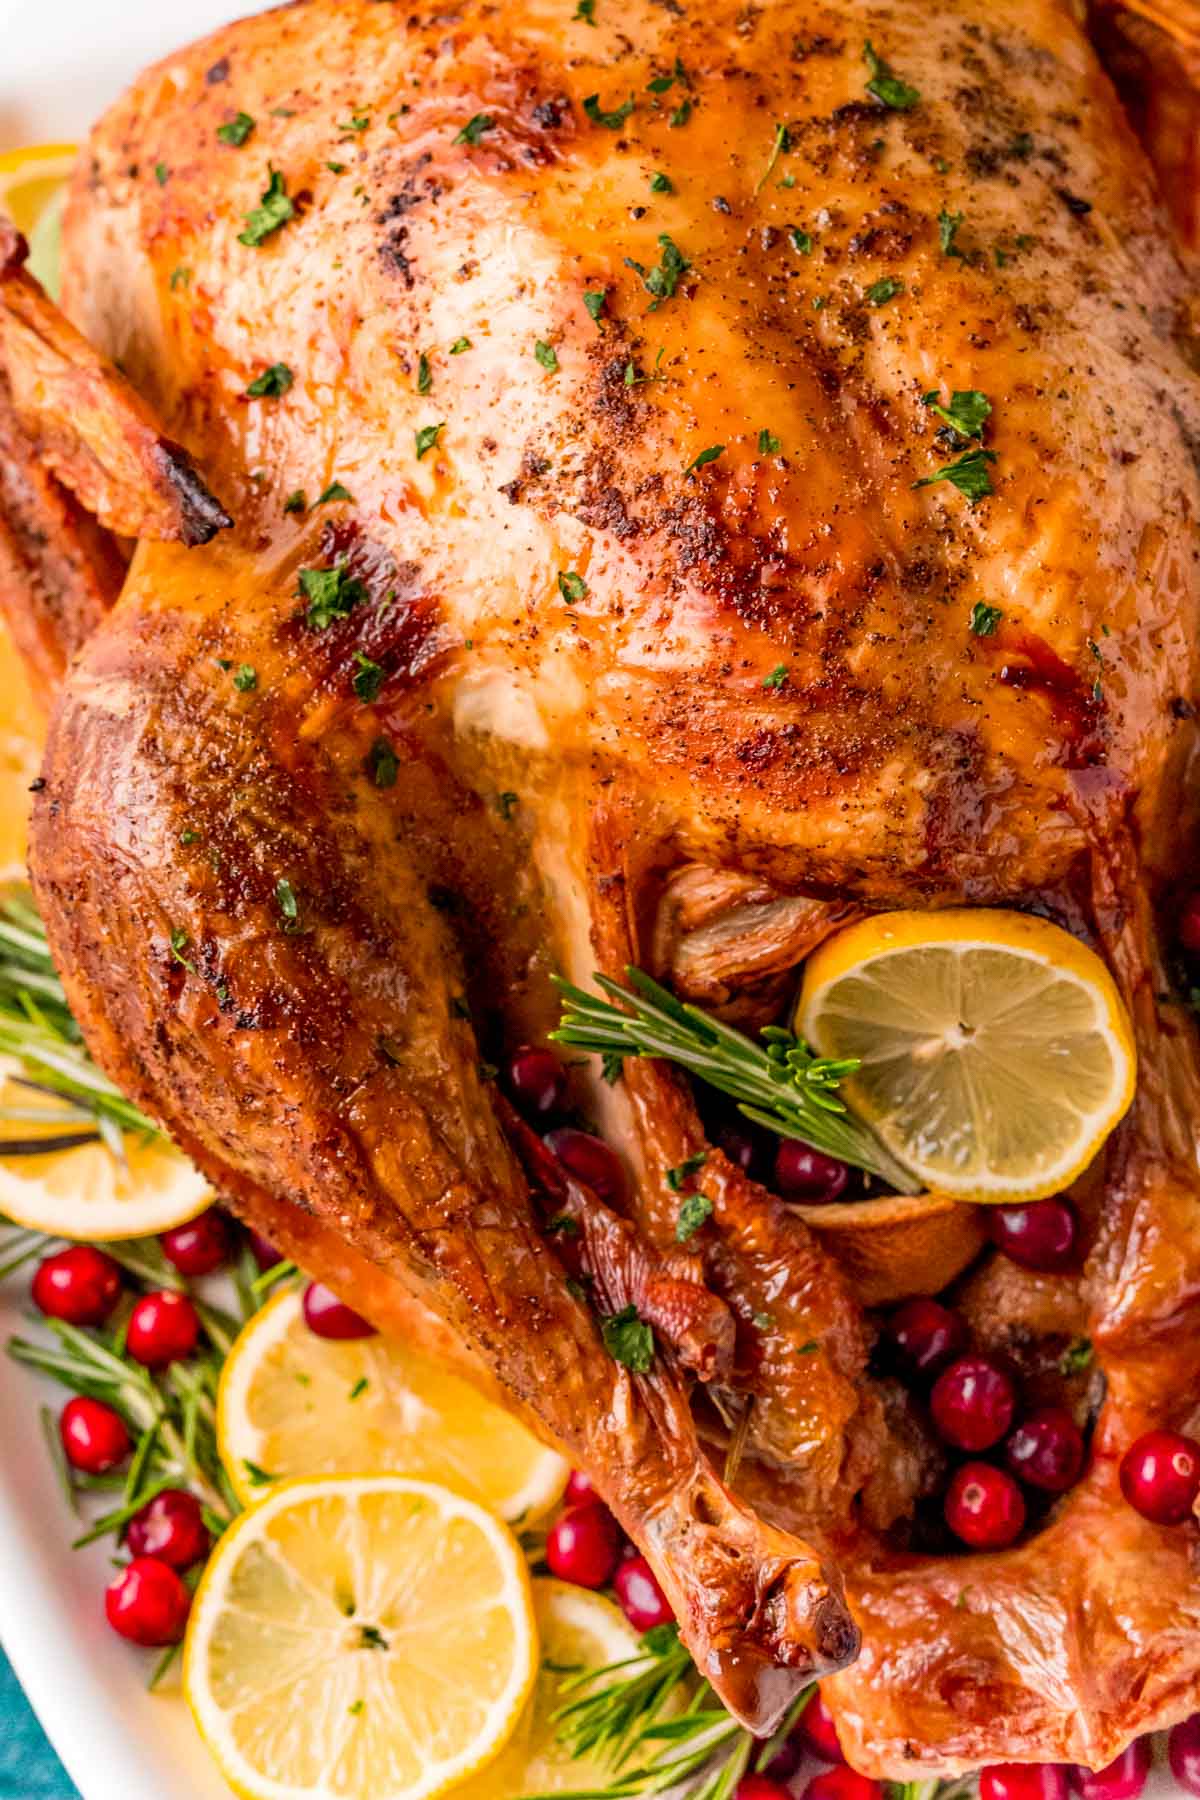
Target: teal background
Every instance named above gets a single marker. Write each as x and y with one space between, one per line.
29 1769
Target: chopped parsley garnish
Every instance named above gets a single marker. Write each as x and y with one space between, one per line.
681 115
595 301
612 121
360 1387
180 278
427 438
547 355
585 12
660 183
273 211
257 1477
474 128
809 1349
179 943
507 804
571 585
780 144
271 383
459 345
285 898
763 1320
235 131
800 240
629 1340
359 122
663 278
331 594
886 86
245 678
295 502
969 475
561 1223
162 174
1077 1357
424 374
693 1211
967 412
885 289
335 491
679 1174
768 443
633 379
369 677
948 226
778 676
985 619
336 168
382 764
705 457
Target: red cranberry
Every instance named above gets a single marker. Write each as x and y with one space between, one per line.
171 1527
819 1732
984 1507
200 1246
1122 1779
147 1603
80 1285
1183 1753
537 1080
842 1783
579 1490
1187 929
163 1328
328 1317
1023 1781
759 1787
927 1336
591 1160
1038 1236
94 1437
807 1175
584 1545
972 1403
642 1600
263 1251
1046 1450
740 1147
1160 1476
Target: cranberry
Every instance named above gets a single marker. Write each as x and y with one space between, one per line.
200 1246
1183 1753
1122 1779
163 1328
147 1603
1160 1476
927 1336
80 1285
579 1490
819 1731
591 1160
972 1403
1046 1450
263 1251
984 1507
584 1545
741 1149
842 1783
1023 1781
759 1787
642 1600
328 1317
1187 928
94 1437
171 1527
1038 1236
537 1080
807 1175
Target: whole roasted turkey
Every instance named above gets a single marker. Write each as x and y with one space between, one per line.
546 563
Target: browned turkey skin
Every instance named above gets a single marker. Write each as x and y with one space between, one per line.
574 775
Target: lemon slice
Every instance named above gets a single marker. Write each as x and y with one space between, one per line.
360 1637
32 187
578 1631
22 731
996 1052
85 1193
291 1403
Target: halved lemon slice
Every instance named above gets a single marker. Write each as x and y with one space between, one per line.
578 1631
360 1638
84 1192
291 1403
32 186
22 731
996 1052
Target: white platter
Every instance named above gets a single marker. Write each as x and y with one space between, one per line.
61 62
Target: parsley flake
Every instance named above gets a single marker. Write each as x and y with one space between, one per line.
679 1174
179 943
369 677
359 122
768 443
612 121
681 115
1077 1357
360 1387
295 502
285 898
382 764
335 491
969 475
780 144
331 594
235 131
180 278
663 278
967 412
507 804
547 355
571 585
474 129
660 183
800 240
629 1340
162 174
883 290
948 224
595 302
427 438
424 374
257 1477
245 679
585 12
985 619
273 211
778 676
705 457
459 345
693 1211
271 383
886 86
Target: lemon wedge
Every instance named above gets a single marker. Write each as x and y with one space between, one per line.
32 188
578 1631
996 1052
22 731
291 1403
360 1638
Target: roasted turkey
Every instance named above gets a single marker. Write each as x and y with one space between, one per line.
546 562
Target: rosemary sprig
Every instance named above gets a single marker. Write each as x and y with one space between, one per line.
779 1084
